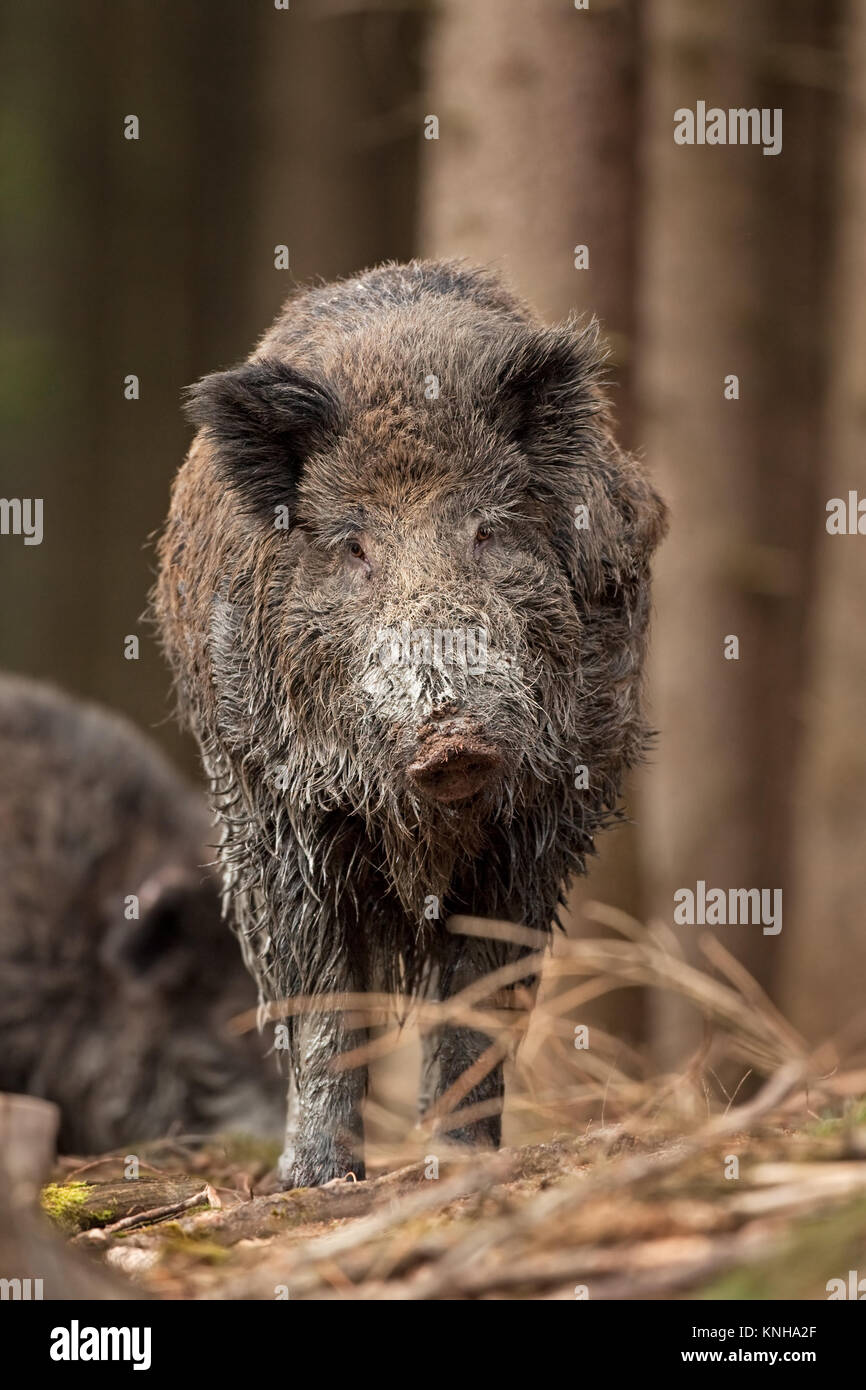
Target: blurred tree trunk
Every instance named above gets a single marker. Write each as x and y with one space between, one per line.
339 120
165 227
825 960
122 253
536 154
732 283
42 404
536 158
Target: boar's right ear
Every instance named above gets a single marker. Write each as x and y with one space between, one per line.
262 420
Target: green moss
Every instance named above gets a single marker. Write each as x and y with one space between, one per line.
820 1249
66 1205
192 1245
830 1125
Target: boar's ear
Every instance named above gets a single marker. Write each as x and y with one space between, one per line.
548 388
552 389
262 421
642 513
158 950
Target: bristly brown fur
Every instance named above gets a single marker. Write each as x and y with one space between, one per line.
117 1013
331 858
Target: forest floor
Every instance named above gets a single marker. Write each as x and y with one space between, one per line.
621 1184
750 1205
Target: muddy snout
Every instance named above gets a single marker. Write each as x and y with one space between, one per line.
453 762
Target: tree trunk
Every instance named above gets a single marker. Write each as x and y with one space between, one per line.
825 958
732 283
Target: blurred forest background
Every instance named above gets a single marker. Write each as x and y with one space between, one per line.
262 127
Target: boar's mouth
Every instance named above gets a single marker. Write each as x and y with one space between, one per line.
453 766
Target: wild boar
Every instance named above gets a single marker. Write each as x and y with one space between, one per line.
404 587
117 976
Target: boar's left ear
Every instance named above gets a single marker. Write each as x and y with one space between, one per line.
551 387
262 420
642 513
548 389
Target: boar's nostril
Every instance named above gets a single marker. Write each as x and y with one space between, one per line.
452 768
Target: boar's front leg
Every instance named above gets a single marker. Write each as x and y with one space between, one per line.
329 1140
449 1053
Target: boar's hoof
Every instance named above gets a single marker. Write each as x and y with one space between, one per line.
321 1162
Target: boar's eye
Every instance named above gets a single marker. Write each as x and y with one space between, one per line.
482 535
356 550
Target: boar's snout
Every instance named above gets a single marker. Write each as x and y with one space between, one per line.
453 762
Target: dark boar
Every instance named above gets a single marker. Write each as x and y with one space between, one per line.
404 589
120 1021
